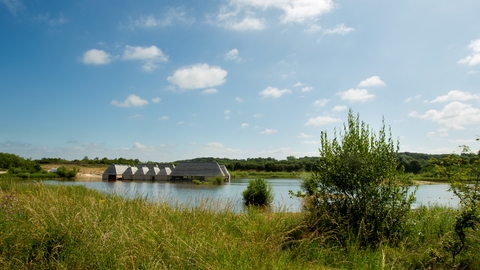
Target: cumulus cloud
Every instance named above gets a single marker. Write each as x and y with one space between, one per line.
209 91
235 19
274 92
238 99
307 89
172 15
321 102
131 101
456 95
304 136
232 55
356 95
298 84
474 58
13 5
164 118
138 145
198 76
156 100
312 29
372 82
96 57
150 56
339 108
269 131
244 125
339 30
455 115
294 10
321 120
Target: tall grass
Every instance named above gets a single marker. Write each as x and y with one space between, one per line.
71 227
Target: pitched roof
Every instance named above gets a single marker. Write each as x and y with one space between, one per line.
197 169
115 169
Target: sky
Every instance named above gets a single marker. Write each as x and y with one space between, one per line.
172 80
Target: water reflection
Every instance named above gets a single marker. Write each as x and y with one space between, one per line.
229 194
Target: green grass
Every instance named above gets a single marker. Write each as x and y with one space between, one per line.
71 227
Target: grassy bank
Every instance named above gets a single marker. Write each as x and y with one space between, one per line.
73 227
255 174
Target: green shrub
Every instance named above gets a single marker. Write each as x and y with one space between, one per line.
66 173
258 192
357 193
197 182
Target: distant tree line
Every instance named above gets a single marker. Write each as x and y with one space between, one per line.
415 163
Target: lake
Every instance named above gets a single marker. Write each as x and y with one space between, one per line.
188 194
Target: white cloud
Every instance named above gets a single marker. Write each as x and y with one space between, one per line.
138 145
180 122
238 99
312 29
321 102
209 91
472 72
131 101
150 56
474 58
13 5
227 112
372 82
456 95
198 76
214 144
274 92
227 117
311 142
269 131
231 18
339 108
232 55
177 14
164 118
454 115
156 100
339 30
307 89
244 125
96 57
298 84
305 136
294 10
356 95
258 115
321 120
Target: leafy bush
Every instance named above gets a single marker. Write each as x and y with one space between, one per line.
66 173
357 190
463 173
258 192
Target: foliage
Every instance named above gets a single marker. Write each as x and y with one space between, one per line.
218 180
258 192
66 173
358 191
464 177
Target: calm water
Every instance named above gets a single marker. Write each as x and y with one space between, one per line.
175 193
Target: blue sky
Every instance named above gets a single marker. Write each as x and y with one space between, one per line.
170 80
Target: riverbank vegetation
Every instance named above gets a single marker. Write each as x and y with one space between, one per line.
58 227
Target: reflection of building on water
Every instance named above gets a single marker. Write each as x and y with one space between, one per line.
184 171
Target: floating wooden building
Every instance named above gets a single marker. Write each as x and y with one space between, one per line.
184 171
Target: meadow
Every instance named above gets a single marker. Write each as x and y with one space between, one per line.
72 227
